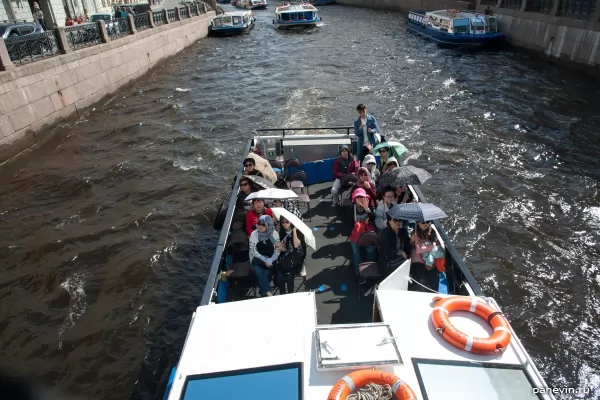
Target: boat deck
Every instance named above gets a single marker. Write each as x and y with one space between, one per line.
329 270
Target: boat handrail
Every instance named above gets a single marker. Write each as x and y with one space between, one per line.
282 130
214 273
452 250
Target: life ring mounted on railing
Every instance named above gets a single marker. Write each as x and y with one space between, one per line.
358 379
496 343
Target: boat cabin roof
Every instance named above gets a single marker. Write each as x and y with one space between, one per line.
453 14
295 8
234 14
273 348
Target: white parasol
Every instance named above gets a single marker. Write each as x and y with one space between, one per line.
273 194
301 226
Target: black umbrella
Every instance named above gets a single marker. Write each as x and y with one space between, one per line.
416 212
265 183
407 175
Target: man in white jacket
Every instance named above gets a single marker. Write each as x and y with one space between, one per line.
389 199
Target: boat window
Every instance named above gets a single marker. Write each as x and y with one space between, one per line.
470 380
275 382
492 24
237 20
226 20
477 25
461 25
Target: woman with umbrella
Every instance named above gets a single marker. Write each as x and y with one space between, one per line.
424 274
264 251
292 248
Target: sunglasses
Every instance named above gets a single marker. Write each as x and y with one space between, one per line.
285 221
382 150
261 224
396 220
248 165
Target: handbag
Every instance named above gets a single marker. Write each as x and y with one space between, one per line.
440 264
289 262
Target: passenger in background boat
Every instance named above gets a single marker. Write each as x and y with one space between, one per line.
367 132
264 251
424 274
258 209
395 246
345 164
366 183
292 248
288 205
363 218
250 167
389 199
245 190
384 154
487 11
371 164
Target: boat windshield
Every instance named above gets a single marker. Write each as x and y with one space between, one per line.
477 25
272 382
237 20
222 21
461 25
467 379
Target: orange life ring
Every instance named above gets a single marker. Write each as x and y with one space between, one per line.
499 340
358 379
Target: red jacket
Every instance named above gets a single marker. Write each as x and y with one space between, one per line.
339 171
252 218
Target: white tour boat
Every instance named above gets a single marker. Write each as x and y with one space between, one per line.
334 335
296 15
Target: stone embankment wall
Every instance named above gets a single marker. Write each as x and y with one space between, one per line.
558 30
40 94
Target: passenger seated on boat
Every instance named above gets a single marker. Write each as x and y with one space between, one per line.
264 251
250 167
245 189
384 154
404 195
389 199
367 131
345 164
288 205
371 165
363 222
258 209
292 248
394 244
422 273
364 182
390 164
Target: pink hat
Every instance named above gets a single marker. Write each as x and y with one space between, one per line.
360 192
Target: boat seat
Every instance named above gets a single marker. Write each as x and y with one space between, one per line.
297 181
346 183
239 268
291 163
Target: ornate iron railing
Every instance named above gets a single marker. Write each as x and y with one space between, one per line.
184 13
24 49
82 35
580 9
117 28
540 6
158 18
172 15
141 22
194 10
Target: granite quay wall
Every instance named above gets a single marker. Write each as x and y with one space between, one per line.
407 5
38 95
564 30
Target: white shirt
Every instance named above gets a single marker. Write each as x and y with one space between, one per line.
365 137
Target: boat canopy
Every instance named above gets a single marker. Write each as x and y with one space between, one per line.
232 18
460 22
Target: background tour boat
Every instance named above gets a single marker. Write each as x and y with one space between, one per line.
335 335
232 23
296 15
455 28
253 4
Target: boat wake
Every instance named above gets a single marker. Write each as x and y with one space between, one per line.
74 286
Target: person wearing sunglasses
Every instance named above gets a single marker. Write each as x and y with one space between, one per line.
258 210
250 167
394 243
292 249
370 163
367 131
365 182
245 189
264 251
384 156
424 274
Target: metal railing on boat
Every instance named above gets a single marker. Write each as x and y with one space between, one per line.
328 128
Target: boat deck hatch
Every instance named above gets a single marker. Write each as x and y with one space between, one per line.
355 346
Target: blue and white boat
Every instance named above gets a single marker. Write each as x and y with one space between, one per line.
296 15
455 28
232 23
334 334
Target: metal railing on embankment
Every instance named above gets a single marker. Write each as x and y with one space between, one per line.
576 9
30 48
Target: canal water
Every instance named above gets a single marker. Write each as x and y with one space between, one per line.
106 237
